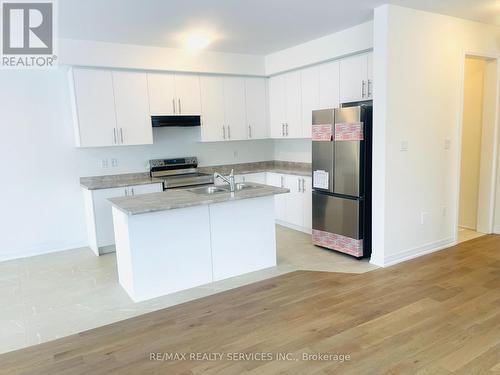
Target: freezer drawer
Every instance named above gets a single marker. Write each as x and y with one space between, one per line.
336 215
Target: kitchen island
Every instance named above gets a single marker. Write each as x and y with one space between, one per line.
179 239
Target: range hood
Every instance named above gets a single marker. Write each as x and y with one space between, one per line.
179 121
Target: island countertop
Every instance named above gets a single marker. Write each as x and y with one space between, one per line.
181 198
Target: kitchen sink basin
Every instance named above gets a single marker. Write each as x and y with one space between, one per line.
209 190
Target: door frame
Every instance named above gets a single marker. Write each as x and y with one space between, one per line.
492 198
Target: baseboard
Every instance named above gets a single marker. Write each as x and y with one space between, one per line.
43 250
294 227
412 253
496 229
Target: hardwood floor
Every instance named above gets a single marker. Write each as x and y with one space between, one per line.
438 314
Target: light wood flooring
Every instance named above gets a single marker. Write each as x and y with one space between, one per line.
437 314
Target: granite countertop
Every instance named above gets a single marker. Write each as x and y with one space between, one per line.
181 198
118 180
130 179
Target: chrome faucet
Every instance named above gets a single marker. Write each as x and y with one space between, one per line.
229 179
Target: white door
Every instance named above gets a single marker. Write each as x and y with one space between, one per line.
293 105
161 94
187 93
278 180
353 78
277 107
94 107
329 86
145 189
310 97
212 108
369 88
234 108
259 178
294 209
103 217
132 108
256 107
307 201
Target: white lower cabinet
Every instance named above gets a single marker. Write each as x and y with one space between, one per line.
295 208
99 217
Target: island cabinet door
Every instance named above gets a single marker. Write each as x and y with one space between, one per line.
244 245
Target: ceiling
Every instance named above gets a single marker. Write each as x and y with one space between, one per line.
238 26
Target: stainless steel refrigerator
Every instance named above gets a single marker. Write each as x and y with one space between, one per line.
341 163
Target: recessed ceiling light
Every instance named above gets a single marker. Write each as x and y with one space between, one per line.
197 41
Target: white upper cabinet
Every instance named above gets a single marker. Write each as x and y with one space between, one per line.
369 87
285 105
293 108
133 121
187 92
234 108
355 82
174 94
329 90
93 106
256 107
310 97
161 88
277 106
212 108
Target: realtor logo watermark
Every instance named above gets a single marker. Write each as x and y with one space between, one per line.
28 34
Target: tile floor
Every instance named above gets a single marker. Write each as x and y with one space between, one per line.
465 234
50 296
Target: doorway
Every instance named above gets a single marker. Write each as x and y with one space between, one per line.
478 149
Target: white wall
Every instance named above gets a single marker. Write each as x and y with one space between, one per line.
297 150
418 67
346 42
113 55
41 201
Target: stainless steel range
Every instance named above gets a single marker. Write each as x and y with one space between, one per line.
179 172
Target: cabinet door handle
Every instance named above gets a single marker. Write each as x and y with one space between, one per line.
282 129
286 124
369 88
228 132
114 136
223 132
180 109
299 185
173 105
249 131
282 182
303 185
133 191
363 84
126 192
121 134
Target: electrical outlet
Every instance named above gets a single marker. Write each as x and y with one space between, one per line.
404 146
447 144
444 211
103 163
235 154
114 163
423 217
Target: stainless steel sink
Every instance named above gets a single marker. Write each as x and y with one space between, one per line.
244 186
208 190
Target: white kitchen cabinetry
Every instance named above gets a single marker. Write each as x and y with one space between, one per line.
310 97
110 108
329 91
355 78
133 120
174 94
93 105
256 98
212 109
99 217
295 208
285 105
234 108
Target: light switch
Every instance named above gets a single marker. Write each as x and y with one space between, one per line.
447 144
404 146
114 163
